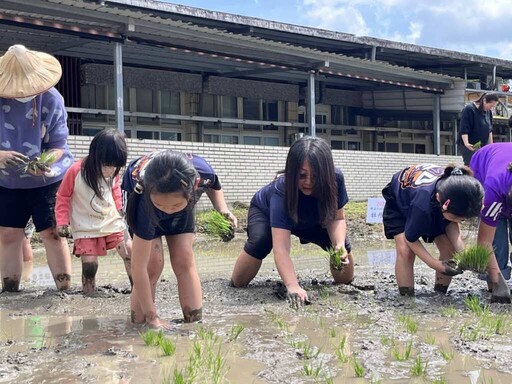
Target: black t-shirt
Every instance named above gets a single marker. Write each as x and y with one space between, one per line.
270 199
477 125
414 189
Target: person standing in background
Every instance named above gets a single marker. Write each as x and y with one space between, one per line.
33 122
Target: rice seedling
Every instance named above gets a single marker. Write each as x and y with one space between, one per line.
495 324
418 368
446 355
308 351
218 225
337 258
477 145
152 338
40 163
167 347
410 325
332 333
236 330
474 258
178 377
359 369
309 371
429 339
473 304
387 340
449 311
469 333
402 355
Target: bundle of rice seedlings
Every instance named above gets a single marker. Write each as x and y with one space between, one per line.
336 261
218 225
477 145
474 258
40 163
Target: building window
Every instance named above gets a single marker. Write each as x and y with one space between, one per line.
271 141
252 140
270 110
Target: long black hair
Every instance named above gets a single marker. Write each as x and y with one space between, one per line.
486 98
464 191
318 154
167 172
108 148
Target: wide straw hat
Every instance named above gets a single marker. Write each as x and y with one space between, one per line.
25 73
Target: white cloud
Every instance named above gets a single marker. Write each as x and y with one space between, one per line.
473 26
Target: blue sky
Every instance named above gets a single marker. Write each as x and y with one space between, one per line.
472 26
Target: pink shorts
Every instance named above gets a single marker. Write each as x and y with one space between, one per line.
97 246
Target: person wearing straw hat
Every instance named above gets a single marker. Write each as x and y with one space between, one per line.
32 127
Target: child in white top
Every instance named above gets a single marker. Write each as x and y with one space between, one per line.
89 203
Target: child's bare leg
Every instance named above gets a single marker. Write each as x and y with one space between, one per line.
404 266
446 251
124 249
184 266
11 258
155 267
89 269
58 256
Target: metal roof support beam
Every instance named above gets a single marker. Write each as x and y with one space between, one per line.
374 53
436 118
311 103
118 81
260 71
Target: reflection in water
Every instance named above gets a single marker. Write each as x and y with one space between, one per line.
381 257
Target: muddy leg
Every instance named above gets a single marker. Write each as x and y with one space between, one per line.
404 266
155 267
11 257
246 268
58 256
184 266
501 291
89 269
124 249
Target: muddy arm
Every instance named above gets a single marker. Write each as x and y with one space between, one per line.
420 251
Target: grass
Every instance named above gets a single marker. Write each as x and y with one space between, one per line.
474 258
359 369
473 304
236 330
167 347
419 368
410 325
152 338
402 355
447 355
449 311
429 339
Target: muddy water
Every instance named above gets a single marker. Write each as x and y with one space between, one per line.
365 329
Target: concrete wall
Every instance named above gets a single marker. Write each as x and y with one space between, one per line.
243 169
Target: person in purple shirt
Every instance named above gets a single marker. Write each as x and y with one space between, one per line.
492 165
307 201
33 120
428 202
161 190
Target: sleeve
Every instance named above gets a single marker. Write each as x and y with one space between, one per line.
65 194
466 121
116 193
55 121
278 216
342 191
143 228
492 206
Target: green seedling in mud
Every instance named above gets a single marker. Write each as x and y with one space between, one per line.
410 325
219 226
40 163
332 333
449 311
236 330
439 380
340 350
387 340
429 339
446 355
404 355
178 377
473 304
469 333
419 368
152 338
477 145
359 369
495 324
308 351
474 258
337 258
167 347
309 371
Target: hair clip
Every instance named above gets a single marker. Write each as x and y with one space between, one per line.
138 189
181 177
456 172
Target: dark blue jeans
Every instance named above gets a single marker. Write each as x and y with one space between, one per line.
501 245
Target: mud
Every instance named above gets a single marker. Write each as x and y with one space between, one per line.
363 329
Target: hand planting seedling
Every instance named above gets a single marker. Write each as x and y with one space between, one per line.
40 164
219 225
337 258
477 145
474 258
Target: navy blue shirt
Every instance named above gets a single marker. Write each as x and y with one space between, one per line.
270 199
477 125
144 228
414 189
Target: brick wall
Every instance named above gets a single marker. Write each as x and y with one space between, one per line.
243 169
